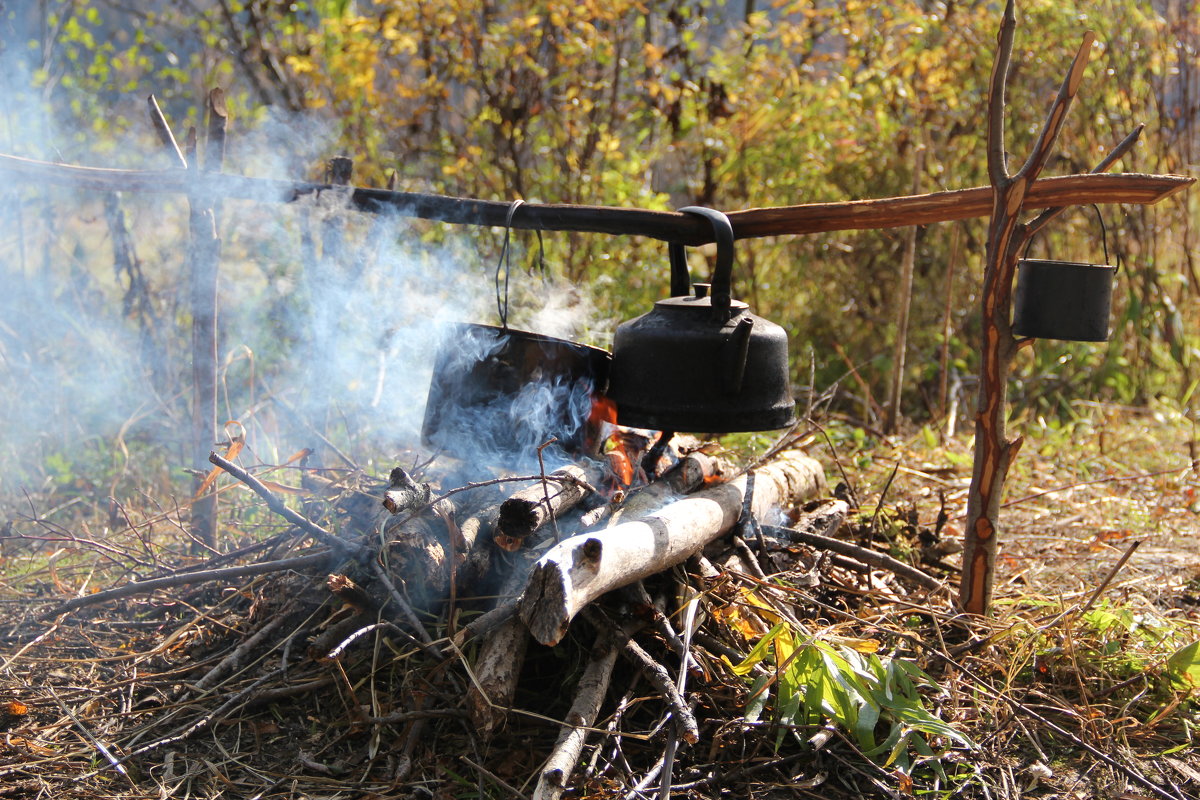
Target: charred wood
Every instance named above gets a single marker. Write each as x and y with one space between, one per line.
531 508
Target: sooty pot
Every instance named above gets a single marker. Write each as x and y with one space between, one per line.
499 393
701 362
1066 300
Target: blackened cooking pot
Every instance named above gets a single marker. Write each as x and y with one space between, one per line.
1066 300
498 393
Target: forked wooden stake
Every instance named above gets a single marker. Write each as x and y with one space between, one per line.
1007 238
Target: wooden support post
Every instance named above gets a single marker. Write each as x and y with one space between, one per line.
204 258
903 307
1007 238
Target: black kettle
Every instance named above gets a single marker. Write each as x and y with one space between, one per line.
701 362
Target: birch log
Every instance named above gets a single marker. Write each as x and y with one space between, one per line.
533 507
580 569
684 478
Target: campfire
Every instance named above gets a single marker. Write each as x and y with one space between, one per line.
643 559
541 523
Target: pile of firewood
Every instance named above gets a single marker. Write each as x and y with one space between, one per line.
475 574
548 551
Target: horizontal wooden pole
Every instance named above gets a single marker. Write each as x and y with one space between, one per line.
888 212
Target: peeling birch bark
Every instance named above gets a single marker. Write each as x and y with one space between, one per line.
580 569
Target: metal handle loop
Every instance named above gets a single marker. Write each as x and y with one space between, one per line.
1103 239
504 264
723 272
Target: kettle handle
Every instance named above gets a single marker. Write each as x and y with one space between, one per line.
723 273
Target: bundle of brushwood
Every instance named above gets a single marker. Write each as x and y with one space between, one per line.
669 567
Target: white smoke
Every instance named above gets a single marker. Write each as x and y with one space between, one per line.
329 319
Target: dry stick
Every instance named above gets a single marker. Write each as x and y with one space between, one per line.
1112 573
234 659
592 687
187 578
485 623
337 651
307 688
497 667
402 605
1125 145
903 307
338 545
689 629
685 721
864 554
1117 479
409 716
90 737
164 132
545 484
494 777
947 329
637 591
889 212
208 719
869 404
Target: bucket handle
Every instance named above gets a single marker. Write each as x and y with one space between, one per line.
504 264
1103 240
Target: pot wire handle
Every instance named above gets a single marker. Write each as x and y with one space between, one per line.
1103 233
1104 241
504 264
1103 238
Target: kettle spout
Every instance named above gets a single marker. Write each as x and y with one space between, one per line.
737 347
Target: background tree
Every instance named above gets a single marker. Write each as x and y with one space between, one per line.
654 104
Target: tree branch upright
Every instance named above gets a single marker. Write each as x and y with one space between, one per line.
1007 238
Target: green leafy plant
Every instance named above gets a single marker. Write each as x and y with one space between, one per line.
876 700
1183 667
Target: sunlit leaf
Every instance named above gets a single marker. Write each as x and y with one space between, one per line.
1184 667
760 651
760 694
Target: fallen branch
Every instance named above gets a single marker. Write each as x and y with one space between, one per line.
497 670
580 569
187 578
685 721
866 555
275 504
592 688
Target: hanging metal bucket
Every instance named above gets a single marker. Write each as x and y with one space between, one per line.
1066 300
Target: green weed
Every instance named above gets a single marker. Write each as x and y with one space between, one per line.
875 700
